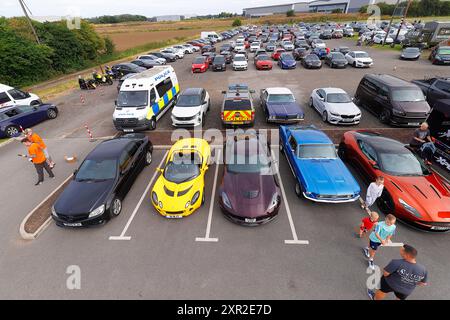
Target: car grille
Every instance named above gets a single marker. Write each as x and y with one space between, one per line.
184 118
416 114
71 219
287 117
366 62
347 116
127 121
335 197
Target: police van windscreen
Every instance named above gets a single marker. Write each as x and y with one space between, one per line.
132 99
243 104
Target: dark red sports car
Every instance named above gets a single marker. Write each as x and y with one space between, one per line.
263 62
412 192
249 193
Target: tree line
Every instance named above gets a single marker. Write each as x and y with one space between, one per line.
23 61
417 8
117 19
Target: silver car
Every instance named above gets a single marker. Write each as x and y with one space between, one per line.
335 106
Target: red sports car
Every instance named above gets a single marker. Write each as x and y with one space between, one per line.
277 53
200 64
412 192
249 193
263 62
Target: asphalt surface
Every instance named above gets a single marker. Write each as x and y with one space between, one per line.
156 258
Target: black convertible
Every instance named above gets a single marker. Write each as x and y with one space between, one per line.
102 181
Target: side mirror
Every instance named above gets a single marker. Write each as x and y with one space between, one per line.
374 164
159 170
75 173
115 103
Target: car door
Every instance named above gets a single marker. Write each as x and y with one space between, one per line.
291 153
367 154
125 171
28 116
5 100
320 101
381 100
369 93
350 57
204 101
264 97
442 91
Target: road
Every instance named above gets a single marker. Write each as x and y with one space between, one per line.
162 258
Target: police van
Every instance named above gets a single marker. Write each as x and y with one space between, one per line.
144 98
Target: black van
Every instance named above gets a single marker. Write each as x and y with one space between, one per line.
439 121
392 100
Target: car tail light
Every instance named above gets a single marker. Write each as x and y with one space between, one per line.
253 115
221 115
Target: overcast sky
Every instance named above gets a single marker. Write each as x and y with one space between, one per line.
149 8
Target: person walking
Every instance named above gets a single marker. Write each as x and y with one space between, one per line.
35 138
380 236
401 276
367 223
374 191
37 156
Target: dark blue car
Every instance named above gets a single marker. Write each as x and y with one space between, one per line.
320 174
280 106
320 52
13 118
287 61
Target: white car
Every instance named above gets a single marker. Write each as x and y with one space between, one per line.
10 96
184 49
255 46
191 108
318 43
379 39
240 62
152 57
359 59
335 106
193 48
178 53
287 45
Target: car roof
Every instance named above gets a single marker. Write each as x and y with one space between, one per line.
4 87
278 90
109 149
192 92
333 90
309 135
359 51
381 143
390 80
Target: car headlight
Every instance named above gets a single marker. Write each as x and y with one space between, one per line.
160 204
97 212
226 201
54 212
410 209
274 202
187 204
195 197
335 114
154 197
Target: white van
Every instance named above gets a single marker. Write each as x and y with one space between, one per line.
10 96
210 34
144 98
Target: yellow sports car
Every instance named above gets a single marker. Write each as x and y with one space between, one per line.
180 189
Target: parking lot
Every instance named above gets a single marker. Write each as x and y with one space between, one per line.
308 252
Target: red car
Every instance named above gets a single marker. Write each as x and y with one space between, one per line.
277 53
209 57
247 44
412 192
263 62
200 64
197 44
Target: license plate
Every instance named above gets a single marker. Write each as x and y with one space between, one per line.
413 123
73 224
174 217
128 130
440 228
238 122
250 220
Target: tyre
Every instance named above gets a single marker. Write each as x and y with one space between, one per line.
385 116
280 144
342 151
203 197
298 190
152 125
385 203
148 158
311 102
357 101
325 116
203 120
12 131
116 207
354 64
52 113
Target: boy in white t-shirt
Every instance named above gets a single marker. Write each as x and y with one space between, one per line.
374 192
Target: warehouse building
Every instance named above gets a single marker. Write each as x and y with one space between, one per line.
324 6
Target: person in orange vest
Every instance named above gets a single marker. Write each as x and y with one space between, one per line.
37 156
34 137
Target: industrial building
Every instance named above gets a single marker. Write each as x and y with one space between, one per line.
166 18
325 6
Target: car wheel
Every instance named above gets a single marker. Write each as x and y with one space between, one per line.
152 125
203 120
311 102
298 190
116 207
325 116
148 157
385 203
11 131
342 151
280 144
357 101
385 116
52 114
203 197
354 64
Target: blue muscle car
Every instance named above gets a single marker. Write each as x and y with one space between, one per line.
280 106
320 174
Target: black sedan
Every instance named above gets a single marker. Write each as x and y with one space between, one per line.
102 181
312 61
336 60
300 53
219 63
147 64
410 53
343 50
126 68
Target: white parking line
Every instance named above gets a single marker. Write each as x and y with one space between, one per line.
288 211
211 206
122 235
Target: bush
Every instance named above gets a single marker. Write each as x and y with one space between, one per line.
290 13
237 22
110 47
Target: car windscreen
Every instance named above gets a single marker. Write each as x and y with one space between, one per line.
361 55
242 104
132 99
97 170
240 58
444 51
285 98
219 60
183 167
407 95
412 50
248 163
199 60
402 164
338 98
263 57
287 56
317 151
337 56
312 57
188 101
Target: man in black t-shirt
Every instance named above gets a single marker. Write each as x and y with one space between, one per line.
422 137
401 276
